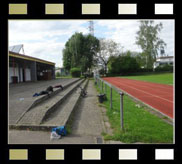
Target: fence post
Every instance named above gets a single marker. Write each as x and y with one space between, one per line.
102 86
121 109
105 85
111 98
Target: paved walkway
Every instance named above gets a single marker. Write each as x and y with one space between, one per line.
88 124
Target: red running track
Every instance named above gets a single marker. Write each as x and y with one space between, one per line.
158 96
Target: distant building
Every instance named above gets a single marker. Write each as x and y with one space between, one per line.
57 70
62 71
23 68
164 60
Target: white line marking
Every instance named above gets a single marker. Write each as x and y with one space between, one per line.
145 92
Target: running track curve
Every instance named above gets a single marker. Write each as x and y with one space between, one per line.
158 96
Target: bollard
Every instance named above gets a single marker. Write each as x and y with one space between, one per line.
121 109
111 98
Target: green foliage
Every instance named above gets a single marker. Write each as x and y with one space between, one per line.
79 51
149 41
75 72
58 74
107 49
123 64
102 71
165 67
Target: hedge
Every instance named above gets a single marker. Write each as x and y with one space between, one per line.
75 72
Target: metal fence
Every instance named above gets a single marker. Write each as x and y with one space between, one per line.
104 86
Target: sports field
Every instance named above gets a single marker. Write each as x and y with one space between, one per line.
158 96
162 78
140 125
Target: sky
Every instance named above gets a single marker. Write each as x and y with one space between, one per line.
45 39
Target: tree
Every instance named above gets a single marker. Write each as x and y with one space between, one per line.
123 64
107 49
79 51
147 38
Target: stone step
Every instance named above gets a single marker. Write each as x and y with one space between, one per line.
40 99
63 113
36 114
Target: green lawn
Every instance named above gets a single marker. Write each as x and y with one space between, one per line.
64 77
139 124
163 78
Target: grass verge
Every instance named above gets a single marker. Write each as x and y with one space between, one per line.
139 124
162 78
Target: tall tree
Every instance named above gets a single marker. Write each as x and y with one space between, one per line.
79 51
107 49
147 38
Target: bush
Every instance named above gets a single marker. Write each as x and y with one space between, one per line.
145 70
101 71
123 65
75 72
58 74
163 68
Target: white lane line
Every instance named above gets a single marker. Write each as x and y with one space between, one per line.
144 92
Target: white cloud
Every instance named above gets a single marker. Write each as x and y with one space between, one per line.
45 39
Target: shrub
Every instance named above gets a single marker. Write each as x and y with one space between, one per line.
101 71
145 70
123 65
58 74
165 67
75 72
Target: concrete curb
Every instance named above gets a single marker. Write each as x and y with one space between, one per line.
53 108
69 119
31 127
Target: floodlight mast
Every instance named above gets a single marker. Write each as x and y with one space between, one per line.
91 27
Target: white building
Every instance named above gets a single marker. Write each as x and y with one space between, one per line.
164 60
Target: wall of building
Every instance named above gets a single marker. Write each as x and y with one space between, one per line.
12 72
27 70
19 73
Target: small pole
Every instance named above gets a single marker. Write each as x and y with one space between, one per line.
98 83
105 85
121 109
111 98
102 86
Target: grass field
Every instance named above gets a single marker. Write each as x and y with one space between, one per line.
163 78
139 124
